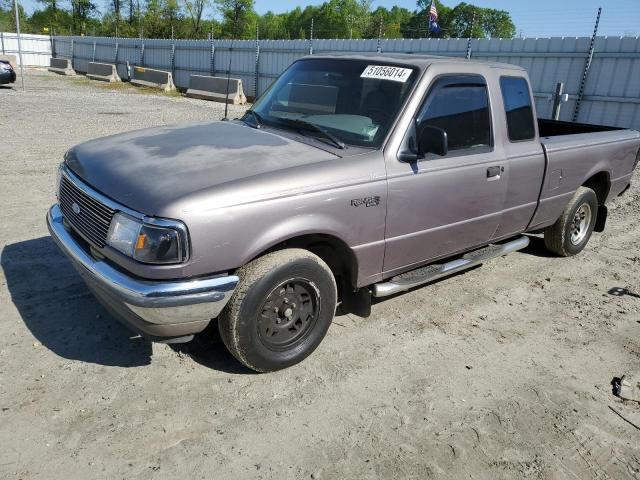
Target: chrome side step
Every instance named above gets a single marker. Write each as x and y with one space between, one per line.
429 273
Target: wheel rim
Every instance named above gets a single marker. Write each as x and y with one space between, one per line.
289 314
580 224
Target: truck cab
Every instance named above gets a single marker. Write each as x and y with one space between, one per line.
485 186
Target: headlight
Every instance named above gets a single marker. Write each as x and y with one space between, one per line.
123 233
145 242
157 245
5 67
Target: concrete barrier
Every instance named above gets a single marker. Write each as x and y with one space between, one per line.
62 66
11 59
215 88
148 77
105 72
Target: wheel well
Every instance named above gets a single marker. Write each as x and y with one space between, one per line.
599 183
333 251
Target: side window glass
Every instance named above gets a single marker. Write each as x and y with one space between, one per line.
517 105
462 110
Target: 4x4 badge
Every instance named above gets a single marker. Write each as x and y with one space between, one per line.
366 201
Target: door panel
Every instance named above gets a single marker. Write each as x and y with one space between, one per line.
444 207
439 206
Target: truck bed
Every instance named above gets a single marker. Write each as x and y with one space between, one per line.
577 154
553 128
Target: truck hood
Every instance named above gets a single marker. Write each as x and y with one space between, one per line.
147 169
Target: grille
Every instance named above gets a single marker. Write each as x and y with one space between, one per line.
93 218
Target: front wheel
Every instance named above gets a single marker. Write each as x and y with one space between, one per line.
280 311
571 232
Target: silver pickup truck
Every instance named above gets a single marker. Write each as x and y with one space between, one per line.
353 176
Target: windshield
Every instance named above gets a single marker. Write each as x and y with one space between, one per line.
354 101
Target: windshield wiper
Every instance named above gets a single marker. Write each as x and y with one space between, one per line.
316 128
256 116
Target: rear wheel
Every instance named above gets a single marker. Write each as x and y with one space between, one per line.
280 311
572 231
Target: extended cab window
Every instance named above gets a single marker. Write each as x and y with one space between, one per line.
460 106
517 105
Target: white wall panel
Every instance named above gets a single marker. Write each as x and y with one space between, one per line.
36 49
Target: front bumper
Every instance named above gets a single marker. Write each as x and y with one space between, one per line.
160 310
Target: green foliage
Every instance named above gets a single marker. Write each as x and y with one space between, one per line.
8 18
192 19
46 20
238 18
462 21
391 22
195 10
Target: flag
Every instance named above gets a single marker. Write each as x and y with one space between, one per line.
433 18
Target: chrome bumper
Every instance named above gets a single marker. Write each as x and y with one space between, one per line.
155 308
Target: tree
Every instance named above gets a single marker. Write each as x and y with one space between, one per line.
57 22
331 19
163 19
8 17
418 25
195 9
466 21
471 21
50 5
391 20
462 21
238 18
115 5
342 19
271 25
80 13
171 14
498 24
295 22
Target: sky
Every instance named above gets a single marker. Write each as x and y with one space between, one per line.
539 18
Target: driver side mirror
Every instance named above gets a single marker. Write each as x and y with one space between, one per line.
428 139
431 139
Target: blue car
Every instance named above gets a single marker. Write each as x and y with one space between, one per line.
7 73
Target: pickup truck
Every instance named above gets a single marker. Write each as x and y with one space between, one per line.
353 176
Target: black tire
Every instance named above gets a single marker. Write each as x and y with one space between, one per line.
280 311
566 237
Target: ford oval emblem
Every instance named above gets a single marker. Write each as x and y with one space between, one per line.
75 207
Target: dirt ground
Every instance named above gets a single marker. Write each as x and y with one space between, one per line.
503 372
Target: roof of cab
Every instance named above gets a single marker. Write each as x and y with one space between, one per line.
419 60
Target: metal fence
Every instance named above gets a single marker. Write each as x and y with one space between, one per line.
610 93
36 49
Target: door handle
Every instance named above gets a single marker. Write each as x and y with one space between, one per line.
493 172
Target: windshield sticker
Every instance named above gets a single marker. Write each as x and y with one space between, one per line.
382 72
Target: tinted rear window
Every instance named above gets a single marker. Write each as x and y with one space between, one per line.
517 105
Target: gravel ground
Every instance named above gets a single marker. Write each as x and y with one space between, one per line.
503 372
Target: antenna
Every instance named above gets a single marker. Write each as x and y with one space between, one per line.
236 9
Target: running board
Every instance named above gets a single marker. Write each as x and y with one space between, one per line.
429 273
